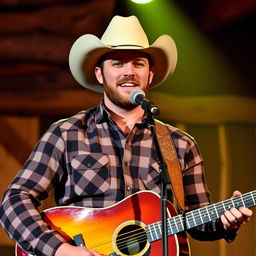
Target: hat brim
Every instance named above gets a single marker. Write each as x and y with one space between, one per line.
88 49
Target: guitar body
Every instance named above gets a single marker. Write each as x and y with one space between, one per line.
116 230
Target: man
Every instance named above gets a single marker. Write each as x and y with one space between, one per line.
102 155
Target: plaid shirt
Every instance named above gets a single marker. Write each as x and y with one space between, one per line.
90 162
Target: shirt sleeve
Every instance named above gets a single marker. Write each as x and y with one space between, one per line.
197 195
19 213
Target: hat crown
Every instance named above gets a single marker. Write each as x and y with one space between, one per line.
123 31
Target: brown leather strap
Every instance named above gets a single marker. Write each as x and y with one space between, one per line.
171 159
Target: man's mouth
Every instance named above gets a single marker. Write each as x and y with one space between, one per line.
128 84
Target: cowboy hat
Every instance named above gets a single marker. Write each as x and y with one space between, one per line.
122 33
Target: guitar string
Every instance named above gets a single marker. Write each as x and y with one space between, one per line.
139 238
219 206
142 233
142 236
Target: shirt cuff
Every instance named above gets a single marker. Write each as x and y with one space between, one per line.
49 243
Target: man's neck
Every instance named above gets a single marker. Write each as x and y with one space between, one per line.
124 118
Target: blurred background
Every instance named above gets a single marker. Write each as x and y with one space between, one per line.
211 95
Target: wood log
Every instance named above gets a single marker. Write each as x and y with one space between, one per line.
11 141
47 103
69 20
24 68
47 49
174 109
31 3
54 80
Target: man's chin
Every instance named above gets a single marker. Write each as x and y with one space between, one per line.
125 105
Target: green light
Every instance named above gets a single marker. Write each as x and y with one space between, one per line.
141 1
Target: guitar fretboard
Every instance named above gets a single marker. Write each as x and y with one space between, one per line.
200 216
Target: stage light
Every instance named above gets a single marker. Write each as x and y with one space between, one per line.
141 1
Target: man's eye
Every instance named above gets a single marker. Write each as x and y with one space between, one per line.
139 64
116 63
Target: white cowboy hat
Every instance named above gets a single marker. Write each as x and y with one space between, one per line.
122 33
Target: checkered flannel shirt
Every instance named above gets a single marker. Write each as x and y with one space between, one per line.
89 161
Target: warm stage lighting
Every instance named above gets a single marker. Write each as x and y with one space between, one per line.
141 1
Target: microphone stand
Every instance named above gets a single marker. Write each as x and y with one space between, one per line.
165 183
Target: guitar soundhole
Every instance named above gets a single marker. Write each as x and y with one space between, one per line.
131 239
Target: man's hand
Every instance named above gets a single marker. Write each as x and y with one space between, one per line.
70 250
235 218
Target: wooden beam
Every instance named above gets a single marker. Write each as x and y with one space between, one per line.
73 19
16 146
47 49
26 78
203 109
206 109
47 103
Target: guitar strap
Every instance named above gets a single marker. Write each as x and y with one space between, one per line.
171 159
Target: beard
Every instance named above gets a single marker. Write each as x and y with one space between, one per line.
117 99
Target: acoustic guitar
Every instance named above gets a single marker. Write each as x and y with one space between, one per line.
133 225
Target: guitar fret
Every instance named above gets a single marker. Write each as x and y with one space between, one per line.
170 226
242 200
227 204
205 215
193 218
180 217
155 232
159 228
174 219
208 212
187 215
223 206
148 231
237 201
198 218
213 214
173 225
251 194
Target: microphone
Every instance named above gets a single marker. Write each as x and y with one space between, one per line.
137 96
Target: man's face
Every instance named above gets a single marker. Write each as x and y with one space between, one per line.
121 72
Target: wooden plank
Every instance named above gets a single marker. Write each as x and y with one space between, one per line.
13 142
47 103
206 109
197 110
66 19
44 48
20 82
31 3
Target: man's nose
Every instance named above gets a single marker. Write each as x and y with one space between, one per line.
129 70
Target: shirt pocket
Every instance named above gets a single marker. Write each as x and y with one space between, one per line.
91 175
150 176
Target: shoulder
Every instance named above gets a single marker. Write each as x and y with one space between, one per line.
75 122
178 134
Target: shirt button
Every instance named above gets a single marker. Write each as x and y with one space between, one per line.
89 164
128 188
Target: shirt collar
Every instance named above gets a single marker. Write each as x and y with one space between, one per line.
102 114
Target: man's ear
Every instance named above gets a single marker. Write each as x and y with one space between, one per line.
151 75
98 74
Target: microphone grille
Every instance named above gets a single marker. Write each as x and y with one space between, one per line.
134 94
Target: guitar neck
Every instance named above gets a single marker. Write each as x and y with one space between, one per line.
201 216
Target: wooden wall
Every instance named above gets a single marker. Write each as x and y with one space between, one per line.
36 88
